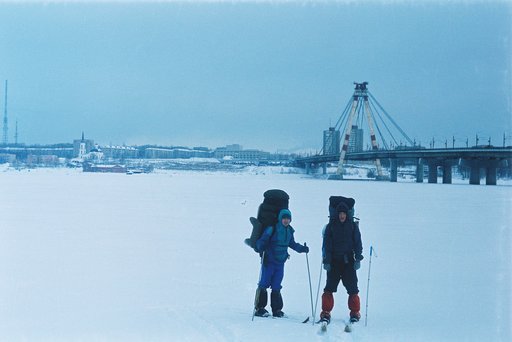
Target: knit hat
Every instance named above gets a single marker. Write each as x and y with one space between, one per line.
285 213
342 207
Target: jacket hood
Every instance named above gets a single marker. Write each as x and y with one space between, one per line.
284 212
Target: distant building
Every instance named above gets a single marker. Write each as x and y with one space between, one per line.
22 152
234 147
82 146
120 152
355 143
42 160
88 167
331 141
239 154
176 153
7 158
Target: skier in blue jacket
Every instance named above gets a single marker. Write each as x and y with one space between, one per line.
274 243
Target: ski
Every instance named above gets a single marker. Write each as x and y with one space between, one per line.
286 317
264 313
350 325
266 316
293 319
323 325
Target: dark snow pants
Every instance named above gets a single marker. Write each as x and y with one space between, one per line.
344 272
276 300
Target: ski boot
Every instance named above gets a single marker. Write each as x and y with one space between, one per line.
354 319
276 302
260 303
325 319
278 314
261 312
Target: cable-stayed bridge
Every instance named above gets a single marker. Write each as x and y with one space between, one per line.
396 147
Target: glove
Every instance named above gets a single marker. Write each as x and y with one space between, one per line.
357 265
305 249
327 267
259 249
359 257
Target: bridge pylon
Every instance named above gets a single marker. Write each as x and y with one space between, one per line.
359 101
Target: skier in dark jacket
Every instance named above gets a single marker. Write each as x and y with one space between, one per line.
274 245
342 254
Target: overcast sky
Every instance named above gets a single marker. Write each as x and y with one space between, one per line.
271 76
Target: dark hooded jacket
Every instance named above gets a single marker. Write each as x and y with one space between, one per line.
342 241
275 241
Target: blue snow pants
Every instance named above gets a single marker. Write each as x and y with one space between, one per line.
272 275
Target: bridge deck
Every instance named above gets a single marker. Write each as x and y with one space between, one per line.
497 153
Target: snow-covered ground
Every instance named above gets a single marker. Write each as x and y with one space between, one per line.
159 257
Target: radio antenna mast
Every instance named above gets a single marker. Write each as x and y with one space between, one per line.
5 140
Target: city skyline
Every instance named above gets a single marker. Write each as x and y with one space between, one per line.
269 76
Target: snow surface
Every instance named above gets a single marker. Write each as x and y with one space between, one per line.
159 257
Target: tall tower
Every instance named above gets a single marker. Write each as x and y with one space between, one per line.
5 131
355 143
82 146
331 141
82 150
16 133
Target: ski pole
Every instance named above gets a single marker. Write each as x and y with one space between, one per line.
318 291
310 289
258 290
368 286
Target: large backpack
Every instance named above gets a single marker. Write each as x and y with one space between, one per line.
334 201
274 201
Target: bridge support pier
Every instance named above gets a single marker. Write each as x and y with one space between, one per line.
393 170
308 168
419 171
447 172
432 172
474 174
491 172
490 175
324 168
475 170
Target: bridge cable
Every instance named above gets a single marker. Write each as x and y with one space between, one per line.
343 114
360 124
360 117
345 122
390 118
385 125
358 110
340 119
384 122
386 146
